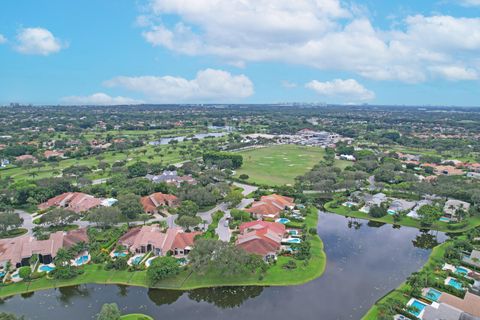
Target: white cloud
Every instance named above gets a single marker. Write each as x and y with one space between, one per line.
344 90
99 99
455 73
470 3
38 41
208 85
2 39
325 34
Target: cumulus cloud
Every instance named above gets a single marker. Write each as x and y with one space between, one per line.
208 85
455 73
348 90
100 99
38 41
2 39
325 34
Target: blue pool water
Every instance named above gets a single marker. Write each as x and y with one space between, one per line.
461 270
391 212
283 220
433 294
81 260
120 254
443 219
15 275
455 283
293 240
2 274
293 232
137 260
419 308
46 268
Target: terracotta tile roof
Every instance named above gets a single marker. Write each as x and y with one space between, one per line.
261 237
74 201
270 205
152 202
53 153
26 157
14 250
174 238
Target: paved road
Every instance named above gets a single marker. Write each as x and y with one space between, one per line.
27 220
247 189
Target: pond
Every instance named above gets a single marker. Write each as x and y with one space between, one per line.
365 261
164 141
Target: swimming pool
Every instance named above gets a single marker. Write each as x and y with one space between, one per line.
2 274
455 283
419 306
391 212
121 254
293 232
81 260
292 240
282 220
46 268
433 294
444 219
461 270
137 260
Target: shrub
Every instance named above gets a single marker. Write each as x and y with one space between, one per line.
289 265
25 272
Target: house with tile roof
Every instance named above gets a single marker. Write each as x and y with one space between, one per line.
19 250
270 206
151 239
75 201
153 202
261 238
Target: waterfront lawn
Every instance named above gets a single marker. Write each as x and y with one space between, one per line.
281 164
398 293
473 222
185 280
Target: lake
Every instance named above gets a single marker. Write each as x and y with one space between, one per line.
200 136
365 261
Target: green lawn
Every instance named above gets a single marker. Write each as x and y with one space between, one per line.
280 164
436 255
185 280
473 222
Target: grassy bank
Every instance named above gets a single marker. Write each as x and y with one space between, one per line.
136 316
405 221
186 280
437 254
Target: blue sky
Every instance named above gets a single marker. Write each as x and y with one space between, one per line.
251 51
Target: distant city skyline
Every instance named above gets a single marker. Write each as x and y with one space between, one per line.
230 51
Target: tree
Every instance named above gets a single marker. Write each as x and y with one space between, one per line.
243 176
188 221
9 220
130 206
109 311
187 208
234 197
161 268
25 272
138 169
377 211
59 217
63 257
428 215
105 216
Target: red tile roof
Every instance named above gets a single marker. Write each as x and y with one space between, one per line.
270 205
261 237
74 201
152 202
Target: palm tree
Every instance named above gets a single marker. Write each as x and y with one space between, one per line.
63 257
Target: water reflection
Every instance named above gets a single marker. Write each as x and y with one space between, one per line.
365 261
225 297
